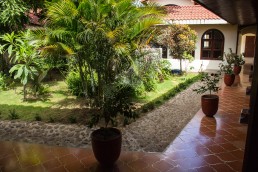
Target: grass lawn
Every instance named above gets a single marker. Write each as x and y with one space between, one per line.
57 106
60 106
164 87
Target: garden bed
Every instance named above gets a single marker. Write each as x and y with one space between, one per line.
58 105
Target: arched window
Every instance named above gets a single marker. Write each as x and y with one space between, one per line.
212 46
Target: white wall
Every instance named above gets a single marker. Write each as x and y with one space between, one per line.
230 35
176 2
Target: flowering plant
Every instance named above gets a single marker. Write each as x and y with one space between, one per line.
209 82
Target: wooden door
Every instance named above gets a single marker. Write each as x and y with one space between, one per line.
249 46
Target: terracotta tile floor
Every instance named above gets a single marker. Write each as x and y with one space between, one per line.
204 145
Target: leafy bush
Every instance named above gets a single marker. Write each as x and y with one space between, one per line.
132 80
3 81
117 101
138 89
12 14
72 119
165 67
51 119
151 69
44 89
74 83
38 117
41 89
149 83
13 115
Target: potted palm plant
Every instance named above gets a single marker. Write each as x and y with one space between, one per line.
210 101
107 140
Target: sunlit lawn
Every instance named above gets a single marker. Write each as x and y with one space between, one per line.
58 105
165 86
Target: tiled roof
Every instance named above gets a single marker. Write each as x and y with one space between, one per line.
194 12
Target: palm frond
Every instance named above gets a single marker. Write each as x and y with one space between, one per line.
63 11
142 26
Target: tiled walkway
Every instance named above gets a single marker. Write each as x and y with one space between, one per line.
205 144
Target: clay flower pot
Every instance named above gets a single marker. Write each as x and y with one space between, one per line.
210 104
229 79
106 145
237 69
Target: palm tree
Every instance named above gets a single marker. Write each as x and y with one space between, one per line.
100 35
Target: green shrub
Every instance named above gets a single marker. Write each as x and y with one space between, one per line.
117 101
40 89
3 81
138 89
158 102
165 67
13 115
51 119
74 83
72 119
151 105
166 97
172 93
38 117
182 86
150 84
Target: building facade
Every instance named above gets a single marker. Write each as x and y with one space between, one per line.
215 35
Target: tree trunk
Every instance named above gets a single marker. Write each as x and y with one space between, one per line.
92 81
24 93
181 68
1 64
100 91
84 84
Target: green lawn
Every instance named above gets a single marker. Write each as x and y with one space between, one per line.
164 87
57 106
60 106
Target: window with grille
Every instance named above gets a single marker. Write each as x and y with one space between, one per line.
212 45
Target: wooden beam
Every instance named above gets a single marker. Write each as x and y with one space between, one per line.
251 148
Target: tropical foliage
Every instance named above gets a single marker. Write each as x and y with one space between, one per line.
100 37
98 45
23 57
12 15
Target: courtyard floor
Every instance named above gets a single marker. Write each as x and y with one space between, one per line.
205 144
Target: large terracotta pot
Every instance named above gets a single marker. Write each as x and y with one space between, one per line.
237 69
229 79
106 145
210 104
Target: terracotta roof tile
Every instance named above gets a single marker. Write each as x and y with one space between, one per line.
194 12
